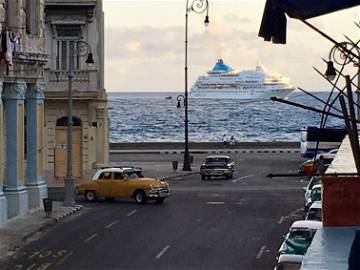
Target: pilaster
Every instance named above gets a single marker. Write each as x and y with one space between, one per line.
15 191
100 135
3 201
34 179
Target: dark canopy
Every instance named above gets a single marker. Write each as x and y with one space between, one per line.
273 24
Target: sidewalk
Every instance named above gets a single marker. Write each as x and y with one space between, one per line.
21 230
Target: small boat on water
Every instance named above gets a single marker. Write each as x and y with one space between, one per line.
223 82
168 97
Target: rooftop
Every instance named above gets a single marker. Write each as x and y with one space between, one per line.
329 249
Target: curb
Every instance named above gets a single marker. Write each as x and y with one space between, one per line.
68 213
174 177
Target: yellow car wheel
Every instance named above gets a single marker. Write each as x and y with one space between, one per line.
90 196
140 196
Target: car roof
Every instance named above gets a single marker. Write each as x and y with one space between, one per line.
292 258
119 169
222 156
317 186
316 205
307 224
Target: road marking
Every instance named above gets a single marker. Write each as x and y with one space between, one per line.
241 201
64 258
292 214
131 213
218 195
44 266
112 224
31 266
261 251
162 251
281 220
215 203
91 237
247 176
34 254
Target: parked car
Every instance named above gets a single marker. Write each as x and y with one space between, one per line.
217 166
315 195
126 182
299 237
307 167
328 156
316 179
315 211
289 262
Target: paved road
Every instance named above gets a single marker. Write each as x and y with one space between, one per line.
216 224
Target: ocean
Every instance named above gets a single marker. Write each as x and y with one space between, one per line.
154 117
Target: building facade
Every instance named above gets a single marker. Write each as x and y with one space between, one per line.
68 23
22 60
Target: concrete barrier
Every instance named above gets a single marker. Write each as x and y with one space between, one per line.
203 145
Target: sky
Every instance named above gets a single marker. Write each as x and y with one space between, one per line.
145 43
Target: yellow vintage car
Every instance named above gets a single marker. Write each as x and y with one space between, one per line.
125 182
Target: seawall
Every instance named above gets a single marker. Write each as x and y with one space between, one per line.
203 145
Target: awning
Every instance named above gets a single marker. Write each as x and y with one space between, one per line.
273 24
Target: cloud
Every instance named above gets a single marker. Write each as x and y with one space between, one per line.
133 46
234 18
127 42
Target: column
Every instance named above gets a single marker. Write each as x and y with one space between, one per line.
100 136
3 201
34 178
15 190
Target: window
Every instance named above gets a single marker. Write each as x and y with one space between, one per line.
105 175
134 174
217 160
63 122
67 36
118 176
65 55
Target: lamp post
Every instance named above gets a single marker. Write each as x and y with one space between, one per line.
197 6
341 57
81 48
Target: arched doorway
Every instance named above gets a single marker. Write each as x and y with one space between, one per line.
61 147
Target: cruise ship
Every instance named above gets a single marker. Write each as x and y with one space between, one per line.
223 82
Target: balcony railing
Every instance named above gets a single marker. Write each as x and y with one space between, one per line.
59 76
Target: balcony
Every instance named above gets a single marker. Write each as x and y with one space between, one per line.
83 80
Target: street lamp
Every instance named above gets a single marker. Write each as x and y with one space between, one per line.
342 57
81 48
197 6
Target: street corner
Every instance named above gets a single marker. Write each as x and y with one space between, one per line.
63 212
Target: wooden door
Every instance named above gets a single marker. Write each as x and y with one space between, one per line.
61 152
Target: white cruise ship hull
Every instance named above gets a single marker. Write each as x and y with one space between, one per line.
223 82
253 94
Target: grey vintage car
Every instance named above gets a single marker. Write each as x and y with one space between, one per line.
217 166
